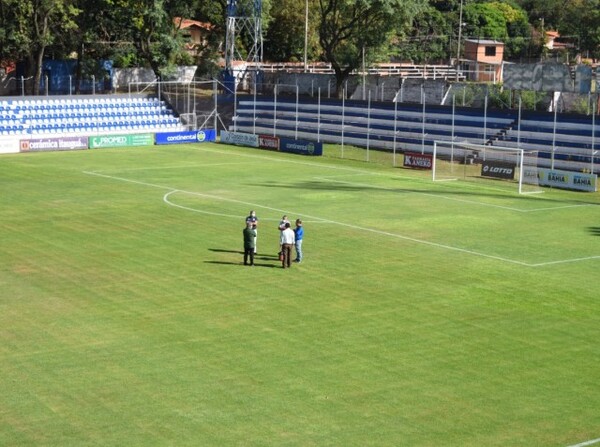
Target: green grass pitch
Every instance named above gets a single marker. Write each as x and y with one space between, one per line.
424 314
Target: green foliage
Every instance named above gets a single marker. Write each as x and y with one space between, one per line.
284 39
428 39
353 31
141 32
581 105
582 26
499 98
484 21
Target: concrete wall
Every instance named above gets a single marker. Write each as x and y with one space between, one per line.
123 77
380 88
549 78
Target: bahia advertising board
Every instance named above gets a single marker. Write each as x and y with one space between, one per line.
568 180
188 136
300 147
54 144
239 138
102 141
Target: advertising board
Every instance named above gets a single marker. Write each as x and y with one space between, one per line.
54 144
9 145
268 142
419 161
300 147
568 180
498 169
189 136
103 141
239 138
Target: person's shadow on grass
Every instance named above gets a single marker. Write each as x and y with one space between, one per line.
259 257
241 263
594 231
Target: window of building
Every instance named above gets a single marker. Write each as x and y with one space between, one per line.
490 51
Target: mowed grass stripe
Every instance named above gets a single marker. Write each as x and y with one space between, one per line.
141 327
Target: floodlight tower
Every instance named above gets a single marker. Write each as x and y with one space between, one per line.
243 41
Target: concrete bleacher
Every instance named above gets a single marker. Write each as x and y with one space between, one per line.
567 144
381 125
38 117
568 140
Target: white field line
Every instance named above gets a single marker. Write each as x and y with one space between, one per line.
583 444
191 165
166 199
342 224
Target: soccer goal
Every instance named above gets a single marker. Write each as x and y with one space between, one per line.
478 162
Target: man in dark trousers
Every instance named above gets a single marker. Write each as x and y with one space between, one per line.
287 241
254 221
249 243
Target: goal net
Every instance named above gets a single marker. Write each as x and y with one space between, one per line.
477 162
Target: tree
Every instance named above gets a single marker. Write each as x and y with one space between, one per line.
484 21
284 39
36 25
518 30
582 25
428 40
350 30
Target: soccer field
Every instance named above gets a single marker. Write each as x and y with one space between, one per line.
423 314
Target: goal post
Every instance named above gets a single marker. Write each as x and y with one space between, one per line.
478 162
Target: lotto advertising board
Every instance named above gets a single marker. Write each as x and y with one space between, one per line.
300 147
103 141
418 161
568 180
54 144
498 169
239 138
189 136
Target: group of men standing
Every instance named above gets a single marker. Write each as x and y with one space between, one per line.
287 240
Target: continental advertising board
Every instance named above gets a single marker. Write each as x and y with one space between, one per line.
300 147
103 141
189 136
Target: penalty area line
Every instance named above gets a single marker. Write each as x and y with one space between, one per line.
583 444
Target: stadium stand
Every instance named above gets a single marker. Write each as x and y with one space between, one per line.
568 139
79 115
568 144
412 131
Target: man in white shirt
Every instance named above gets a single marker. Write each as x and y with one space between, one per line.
287 241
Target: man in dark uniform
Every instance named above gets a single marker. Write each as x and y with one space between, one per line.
249 244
